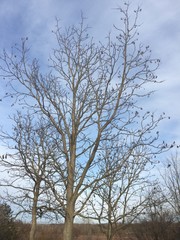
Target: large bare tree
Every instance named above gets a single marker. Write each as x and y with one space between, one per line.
92 91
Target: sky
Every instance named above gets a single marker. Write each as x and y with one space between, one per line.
160 28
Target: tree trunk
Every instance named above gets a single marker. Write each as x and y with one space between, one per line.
68 226
69 215
109 232
34 212
33 225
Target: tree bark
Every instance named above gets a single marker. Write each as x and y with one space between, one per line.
109 232
68 225
34 213
33 225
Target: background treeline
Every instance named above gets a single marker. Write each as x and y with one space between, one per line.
156 225
139 231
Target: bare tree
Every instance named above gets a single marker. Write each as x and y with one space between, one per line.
120 198
157 222
90 89
31 150
171 182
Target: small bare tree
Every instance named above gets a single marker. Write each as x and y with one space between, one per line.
157 222
27 166
120 198
89 89
171 182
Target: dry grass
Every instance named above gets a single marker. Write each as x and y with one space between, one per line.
92 232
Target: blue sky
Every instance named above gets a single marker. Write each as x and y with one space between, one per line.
160 29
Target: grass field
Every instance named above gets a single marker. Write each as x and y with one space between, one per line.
147 231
